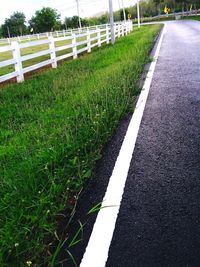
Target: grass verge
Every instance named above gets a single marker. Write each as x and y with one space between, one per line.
192 17
52 130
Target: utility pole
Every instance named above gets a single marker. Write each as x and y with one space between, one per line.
119 4
138 13
79 19
112 22
124 11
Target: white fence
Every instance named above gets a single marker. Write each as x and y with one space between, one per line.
71 46
56 34
38 36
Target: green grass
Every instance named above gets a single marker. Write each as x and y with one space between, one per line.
52 130
149 19
192 17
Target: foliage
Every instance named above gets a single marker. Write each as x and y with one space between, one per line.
1 33
46 19
73 22
122 14
150 8
103 19
15 25
193 18
52 130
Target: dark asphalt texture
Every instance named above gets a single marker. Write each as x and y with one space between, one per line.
93 194
159 218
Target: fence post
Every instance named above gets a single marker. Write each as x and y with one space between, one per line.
119 30
115 30
107 34
88 42
122 29
127 28
18 62
53 52
99 37
74 48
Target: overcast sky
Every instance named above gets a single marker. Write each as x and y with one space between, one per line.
65 7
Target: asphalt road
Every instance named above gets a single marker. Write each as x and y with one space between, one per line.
159 220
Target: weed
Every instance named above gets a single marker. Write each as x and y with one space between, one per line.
52 130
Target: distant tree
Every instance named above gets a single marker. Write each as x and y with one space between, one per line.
103 19
46 19
122 14
73 22
150 8
158 4
1 33
195 3
58 25
84 22
117 15
15 25
92 21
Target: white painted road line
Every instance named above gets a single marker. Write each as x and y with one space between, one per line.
96 253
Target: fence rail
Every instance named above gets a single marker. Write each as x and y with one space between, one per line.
55 34
71 46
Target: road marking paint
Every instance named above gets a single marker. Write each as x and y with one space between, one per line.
96 253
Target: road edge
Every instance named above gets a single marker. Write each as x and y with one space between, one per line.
96 253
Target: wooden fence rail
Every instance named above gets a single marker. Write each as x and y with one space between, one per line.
71 46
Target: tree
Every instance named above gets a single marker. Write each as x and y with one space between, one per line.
103 19
73 22
15 25
158 4
122 14
1 34
46 19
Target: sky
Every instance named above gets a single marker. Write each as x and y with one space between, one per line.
67 8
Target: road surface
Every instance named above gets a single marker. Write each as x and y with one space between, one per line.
158 223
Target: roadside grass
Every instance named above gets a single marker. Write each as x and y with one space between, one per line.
149 19
192 18
52 130
166 18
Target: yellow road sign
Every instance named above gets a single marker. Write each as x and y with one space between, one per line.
166 10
